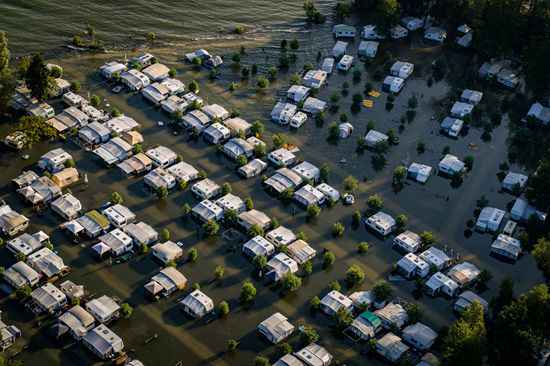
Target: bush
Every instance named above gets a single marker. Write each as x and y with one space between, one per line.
382 291
335 286
363 247
248 292
354 276
95 101
328 259
249 203
315 303
223 308
375 202
192 255
126 310
284 348
294 44
291 282
469 162
351 183
356 218
262 82
309 335
75 86
232 345
261 361
194 87
338 229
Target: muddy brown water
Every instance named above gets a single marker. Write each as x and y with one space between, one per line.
435 206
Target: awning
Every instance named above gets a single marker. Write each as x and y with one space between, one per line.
154 287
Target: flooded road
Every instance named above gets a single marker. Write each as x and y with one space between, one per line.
435 206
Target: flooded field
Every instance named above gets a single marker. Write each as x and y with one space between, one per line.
436 206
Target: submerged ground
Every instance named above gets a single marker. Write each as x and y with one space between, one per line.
436 206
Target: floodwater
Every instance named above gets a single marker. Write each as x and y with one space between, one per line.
46 25
435 206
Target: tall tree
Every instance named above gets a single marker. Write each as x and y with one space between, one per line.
7 79
521 328
37 77
537 186
466 341
4 52
387 12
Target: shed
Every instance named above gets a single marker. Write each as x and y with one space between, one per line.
420 336
276 328
258 246
167 251
281 236
392 315
390 347
197 304
332 302
103 342
382 223
206 189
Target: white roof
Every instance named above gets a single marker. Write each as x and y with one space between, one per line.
314 355
373 137
167 251
102 308
391 347
215 111
301 251
276 327
282 264
281 236
382 219
208 210
451 163
104 341
258 246
329 191
307 170
438 280
231 202
309 195
435 256
206 187
461 109
411 262
183 171
161 155
197 303
505 244
420 172
46 262
282 156
119 214
335 300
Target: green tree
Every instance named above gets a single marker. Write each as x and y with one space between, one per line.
307 267
375 202
165 234
162 193
95 101
427 238
126 310
382 291
313 211
226 188
223 308
521 329
211 228
387 14
290 282
351 183
261 361
284 348
537 185
37 77
315 303
249 203
309 334
294 44
232 345
117 198
260 262
4 52
278 140
257 128
328 259
414 312
324 172
7 89
256 230
541 253
219 271
262 82
354 275
192 255
465 342
248 292
399 174
363 247
343 319
401 221
338 229
194 87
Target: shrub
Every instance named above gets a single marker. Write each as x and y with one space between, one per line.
126 310
223 308
291 282
354 275
192 255
375 202
248 292
328 259
232 345
363 247
338 229
382 291
315 303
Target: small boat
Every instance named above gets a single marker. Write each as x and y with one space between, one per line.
25 157
349 199
117 89
160 123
